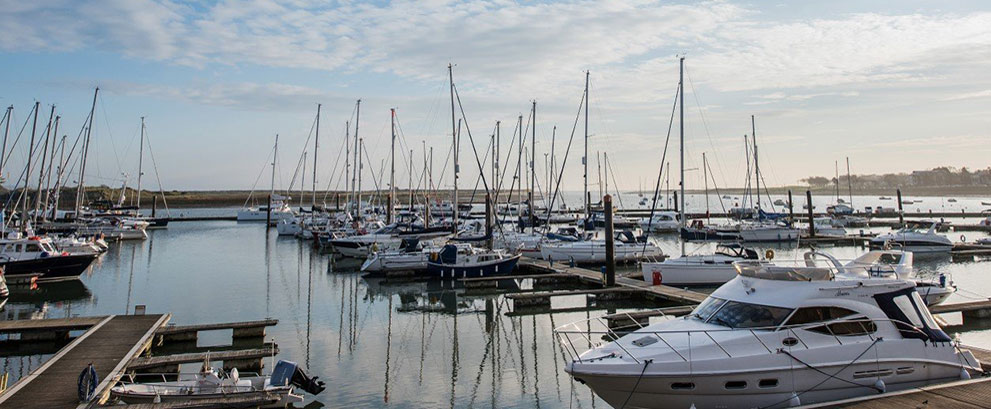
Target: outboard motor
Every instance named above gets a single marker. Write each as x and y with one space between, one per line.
288 373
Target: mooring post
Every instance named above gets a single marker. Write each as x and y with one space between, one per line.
676 202
901 213
154 206
268 213
337 201
426 214
812 226
610 279
388 212
791 209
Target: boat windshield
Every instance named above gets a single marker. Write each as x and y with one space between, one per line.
735 314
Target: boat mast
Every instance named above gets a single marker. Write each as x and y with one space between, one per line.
586 198
392 164
141 156
410 188
27 171
454 137
357 161
681 130
3 150
347 164
51 164
302 181
533 162
80 188
753 133
836 171
550 181
849 181
316 145
705 178
41 169
275 156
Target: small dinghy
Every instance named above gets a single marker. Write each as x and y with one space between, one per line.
213 383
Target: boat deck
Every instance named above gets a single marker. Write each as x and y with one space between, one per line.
109 345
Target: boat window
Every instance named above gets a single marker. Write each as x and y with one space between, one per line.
33 247
736 385
808 315
743 315
861 326
767 383
904 304
889 259
707 308
683 385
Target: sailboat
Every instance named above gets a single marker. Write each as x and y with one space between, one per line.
280 207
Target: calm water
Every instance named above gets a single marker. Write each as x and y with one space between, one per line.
376 342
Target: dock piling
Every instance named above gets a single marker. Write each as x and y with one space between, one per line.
901 213
610 279
268 214
808 199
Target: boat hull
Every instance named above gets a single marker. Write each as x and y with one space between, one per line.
504 266
56 268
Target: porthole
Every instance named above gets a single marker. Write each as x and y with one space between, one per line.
767 383
736 385
683 386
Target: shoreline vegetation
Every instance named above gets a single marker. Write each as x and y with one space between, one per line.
238 198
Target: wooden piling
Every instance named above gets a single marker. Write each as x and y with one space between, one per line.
901 213
610 279
791 208
488 220
812 227
154 205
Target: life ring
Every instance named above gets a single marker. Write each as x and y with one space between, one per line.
963 238
769 254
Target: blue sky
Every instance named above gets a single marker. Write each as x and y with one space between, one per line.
896 86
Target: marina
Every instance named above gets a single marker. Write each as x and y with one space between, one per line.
555 204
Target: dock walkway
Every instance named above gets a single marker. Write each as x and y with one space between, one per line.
109 345
595 277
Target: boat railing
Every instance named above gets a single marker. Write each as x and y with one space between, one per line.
596 333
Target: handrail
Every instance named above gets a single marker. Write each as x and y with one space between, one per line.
565 334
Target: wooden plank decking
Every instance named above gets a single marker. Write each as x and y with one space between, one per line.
108 345
67 324
175 359
659 291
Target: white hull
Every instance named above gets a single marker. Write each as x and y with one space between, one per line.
381 263
248 215
675 273
769 234
595 252
289 227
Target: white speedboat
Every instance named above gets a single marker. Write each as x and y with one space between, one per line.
212 383
825 226
410 256
914 239
626 249
661 222
698 270
76 245
773 337
385 238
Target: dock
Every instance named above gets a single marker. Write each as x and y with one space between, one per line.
652 291
109 345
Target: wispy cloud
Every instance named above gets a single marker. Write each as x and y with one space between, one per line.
968 95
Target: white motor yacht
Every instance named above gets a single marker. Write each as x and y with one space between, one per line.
280 211
915 239
767 232
661 222
626 249
773 337
699 270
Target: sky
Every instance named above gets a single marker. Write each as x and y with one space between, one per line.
894 86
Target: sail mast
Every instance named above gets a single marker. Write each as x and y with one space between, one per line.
141 156
275 156
454 137
3 150
27 171
41 169
681 130
753 134
357 161
80 188
588 204
533 163
849 181
392 165
316 145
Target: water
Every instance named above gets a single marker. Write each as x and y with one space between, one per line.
376 342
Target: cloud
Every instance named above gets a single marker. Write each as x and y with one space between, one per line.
968 95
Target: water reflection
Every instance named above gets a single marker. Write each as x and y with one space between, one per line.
379 342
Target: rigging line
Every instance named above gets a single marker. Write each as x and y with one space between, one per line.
376 181
635 385
154 165
616 185
260 172
18 138
567 152
664 155
705 124
471 140
716 187
828 376
333 174
110 134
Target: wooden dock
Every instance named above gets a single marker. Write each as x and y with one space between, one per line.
229 357
594 277
109 345
245 329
